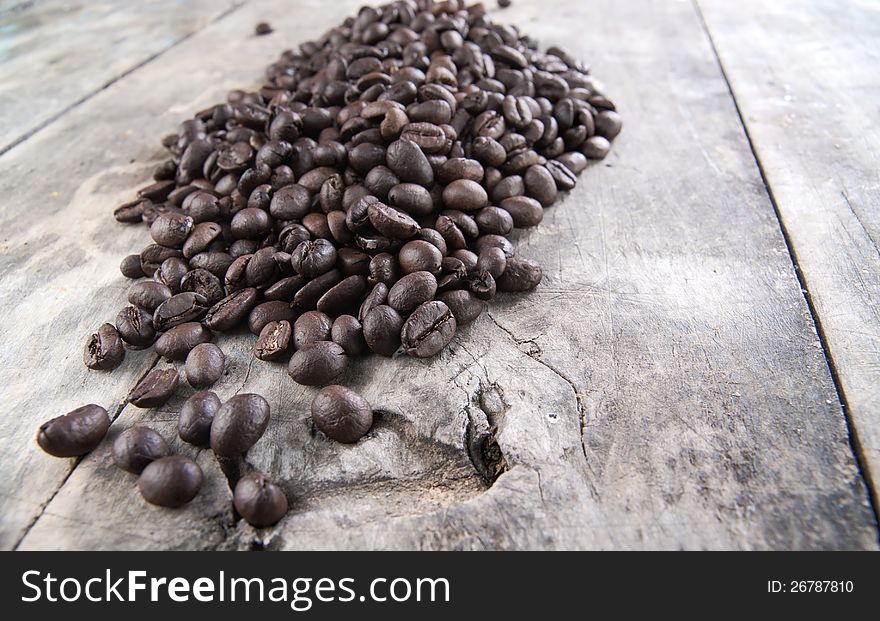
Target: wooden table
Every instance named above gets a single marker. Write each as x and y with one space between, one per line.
700 367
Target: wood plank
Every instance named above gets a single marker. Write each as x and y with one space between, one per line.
806 77
663 388
54 54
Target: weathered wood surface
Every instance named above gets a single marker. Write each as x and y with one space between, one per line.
663 388
807 80
54 54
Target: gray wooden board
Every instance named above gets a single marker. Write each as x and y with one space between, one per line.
807 79
55 53
663 388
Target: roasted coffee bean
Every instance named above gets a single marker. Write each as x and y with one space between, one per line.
494 220
267 312
131 212
204 365
171 481
412 290
104 350
135 448
493 261
429 137
384 268
196 416
574 160
155 389
507 187
596 148
481 282
204 283
170 273
463 304
428 330
348 333
392 223
284 289
378 295
341 414
291 202
153 255
419 256
311 327
201 238
317 363
274 340
229 312
176 343
460 168
258 500
171 229
131 267
344 296
313 258
239 424
608 124
540 185
307 297
524 211
215 262
411 198
250 223
75 433
178 309
564 178
353 262
409 163
135 326
520 275
465 195
382 325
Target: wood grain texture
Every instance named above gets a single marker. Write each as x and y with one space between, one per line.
807 80
663 388
55 53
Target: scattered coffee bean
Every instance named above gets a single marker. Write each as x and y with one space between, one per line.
258 500
196 416
180 340
135 326
341 414
428 330
274 340
171 481
155 389
204 365
317 363
104 350
348 333
264 28
75 433
135 448
238 424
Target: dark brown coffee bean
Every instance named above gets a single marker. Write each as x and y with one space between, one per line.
274 340
170 273
258 500
131 267
131 212
75 433
488 151
409 163
104 350
524 211
491 241
596 147
153 255
460 168
239 424
317 363
392 223
411 198
196 416
171 229
215 262
155 389
178 309
465 195
307 297
135 326
313 258
311 327
564 178
176 343
463 304
507 187
135 448
540 185
341 414
451 234
201 237
378 295
382 325
229 312
494 220
348 333
267 312
203 283
284 289
493 261
353 262
291 202
171 481
481 282
574 161
520 275
428 330
250 223
429 137
608 124
344 296
384 269
419 256
204 365
412 290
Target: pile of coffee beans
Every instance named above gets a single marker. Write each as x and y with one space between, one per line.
360 201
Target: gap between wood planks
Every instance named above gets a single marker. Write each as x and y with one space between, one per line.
27 135
852 433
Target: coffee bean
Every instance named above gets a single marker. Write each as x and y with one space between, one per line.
284 289
428 330
596 147
494 220
231 310
460 168
238 424
344 296
564 178
524 211
409 163
171 481
411 198
274 340
392 223
171 272
520 275
171 229
178 309
148 295
313 258
75 433
465 195
267 312
540 185
307 297
135 326
176 343
131 266
215 262
135 448
312 326
493 261
262 28
429 137
348 333
155 389
204 365
258 500
463 304
204 283
378 295
341 414
481 283
250 223
382 325
104 350
291 202
608 124
418 255
412 290
196 416
317 363
384 268
201 238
